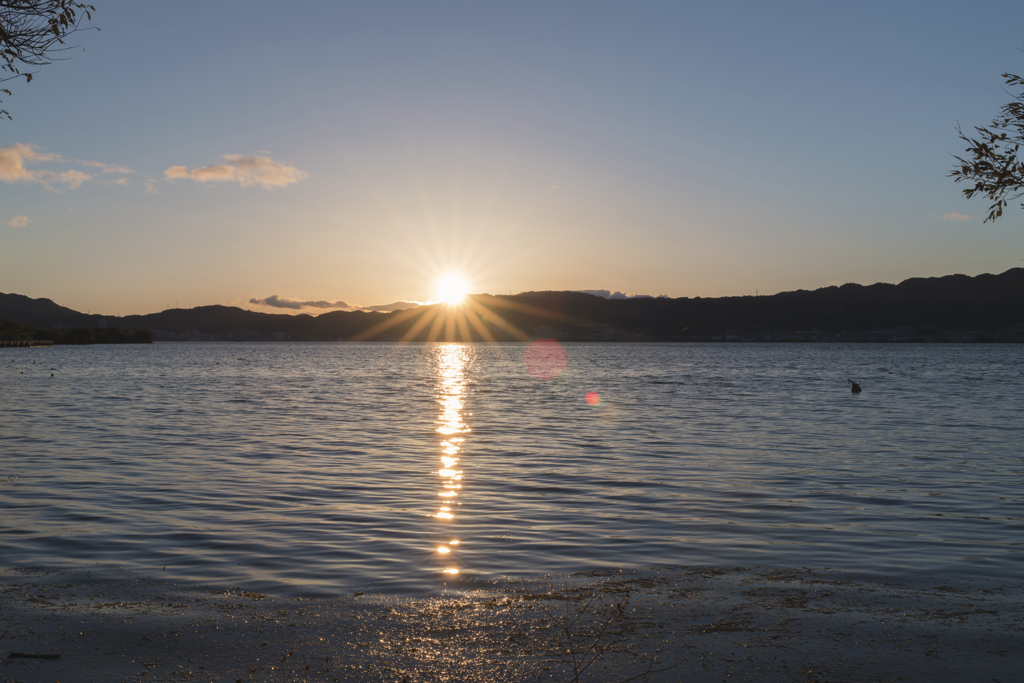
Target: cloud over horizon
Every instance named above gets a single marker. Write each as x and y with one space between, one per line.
18 221
393 306
274 301
245 169
608 294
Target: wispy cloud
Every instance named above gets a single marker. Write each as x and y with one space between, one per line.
954 216
149 186
246 170
17 160
12 164
72 178
18 221
106 168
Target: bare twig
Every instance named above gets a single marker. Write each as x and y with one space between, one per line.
586 649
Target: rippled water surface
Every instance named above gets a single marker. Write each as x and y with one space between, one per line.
327 468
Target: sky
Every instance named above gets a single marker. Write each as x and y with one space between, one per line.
195 153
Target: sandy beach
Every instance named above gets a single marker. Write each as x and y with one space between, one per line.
672 623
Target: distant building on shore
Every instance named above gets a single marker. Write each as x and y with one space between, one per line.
243 334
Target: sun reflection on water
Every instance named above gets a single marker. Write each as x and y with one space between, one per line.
451 394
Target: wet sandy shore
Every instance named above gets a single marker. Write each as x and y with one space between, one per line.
674 623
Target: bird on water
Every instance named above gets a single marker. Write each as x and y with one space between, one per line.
854 387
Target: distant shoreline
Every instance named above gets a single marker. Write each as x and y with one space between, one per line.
880 340
984 341
13 334
951 309
24 343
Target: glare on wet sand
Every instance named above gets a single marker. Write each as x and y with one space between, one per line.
695 624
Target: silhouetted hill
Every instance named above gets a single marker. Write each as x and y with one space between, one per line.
216 320
953 302
954 308
40 312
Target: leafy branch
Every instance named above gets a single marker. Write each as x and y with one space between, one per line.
993 164
32 32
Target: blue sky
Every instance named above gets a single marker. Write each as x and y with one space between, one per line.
684 148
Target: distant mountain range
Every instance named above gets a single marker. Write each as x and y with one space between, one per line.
950 308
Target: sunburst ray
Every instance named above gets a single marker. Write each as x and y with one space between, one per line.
479 326
385 325
498 321
436 328
424 320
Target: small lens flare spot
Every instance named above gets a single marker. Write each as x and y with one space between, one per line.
451 570
593 398
442 549
453 542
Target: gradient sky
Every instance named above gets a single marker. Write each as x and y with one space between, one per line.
679 148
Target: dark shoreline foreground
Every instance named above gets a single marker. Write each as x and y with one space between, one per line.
706 624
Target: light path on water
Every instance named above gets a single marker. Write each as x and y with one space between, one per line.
323 469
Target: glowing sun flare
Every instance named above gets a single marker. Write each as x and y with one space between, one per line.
452 289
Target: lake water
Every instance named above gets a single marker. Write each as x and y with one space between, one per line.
329 468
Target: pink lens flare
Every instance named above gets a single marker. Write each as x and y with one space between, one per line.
545 359
593 398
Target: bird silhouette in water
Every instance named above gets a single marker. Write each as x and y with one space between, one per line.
854 387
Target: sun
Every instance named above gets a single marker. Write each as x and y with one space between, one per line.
452 289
